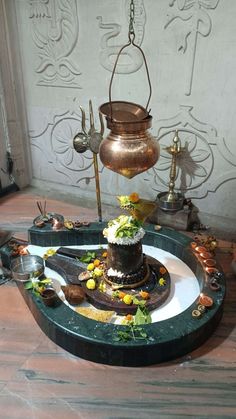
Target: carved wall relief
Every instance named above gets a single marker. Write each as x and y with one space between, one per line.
53 147
229 155
195 166
55 30
131 58
198 22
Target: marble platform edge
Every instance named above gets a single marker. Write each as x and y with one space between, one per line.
168 339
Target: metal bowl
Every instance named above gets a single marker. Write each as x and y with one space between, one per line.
171 206
51 216
24 268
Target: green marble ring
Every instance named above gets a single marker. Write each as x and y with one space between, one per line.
158 342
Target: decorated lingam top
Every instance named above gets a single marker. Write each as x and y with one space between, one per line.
128 229
124 230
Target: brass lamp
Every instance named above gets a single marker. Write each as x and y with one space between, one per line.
171 200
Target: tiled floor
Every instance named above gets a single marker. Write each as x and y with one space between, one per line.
38 379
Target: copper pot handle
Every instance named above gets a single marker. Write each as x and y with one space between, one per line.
131 41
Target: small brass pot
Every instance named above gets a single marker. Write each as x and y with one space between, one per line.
129 149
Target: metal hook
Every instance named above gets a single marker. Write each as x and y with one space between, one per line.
131 42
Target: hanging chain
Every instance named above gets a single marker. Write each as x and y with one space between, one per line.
131 19
131 35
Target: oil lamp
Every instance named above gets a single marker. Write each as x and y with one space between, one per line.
171 200
129 149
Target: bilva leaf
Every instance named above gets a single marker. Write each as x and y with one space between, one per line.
142 316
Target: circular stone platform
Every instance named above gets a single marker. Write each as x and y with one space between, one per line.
164 340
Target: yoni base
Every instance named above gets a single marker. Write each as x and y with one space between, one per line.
157 285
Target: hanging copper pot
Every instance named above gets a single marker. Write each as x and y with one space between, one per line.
129 149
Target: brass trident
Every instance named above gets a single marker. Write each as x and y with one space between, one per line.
91 140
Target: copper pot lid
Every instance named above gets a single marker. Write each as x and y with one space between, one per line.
123 111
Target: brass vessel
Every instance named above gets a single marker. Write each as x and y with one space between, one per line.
129 149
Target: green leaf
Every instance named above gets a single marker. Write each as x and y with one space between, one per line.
88 257
138 302
142 316
28 285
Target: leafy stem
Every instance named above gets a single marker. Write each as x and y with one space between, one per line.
132 332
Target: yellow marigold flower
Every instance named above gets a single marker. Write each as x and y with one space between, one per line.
128 299
102 286
97 272
104 255
51 252
91 284
134 197
162 282
90 267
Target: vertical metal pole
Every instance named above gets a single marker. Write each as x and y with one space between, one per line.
99 205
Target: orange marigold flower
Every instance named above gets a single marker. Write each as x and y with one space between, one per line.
134 197
121 295
144 294
129 317
96 262
162 270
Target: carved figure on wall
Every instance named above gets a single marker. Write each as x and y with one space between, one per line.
132 60
198 22
55 30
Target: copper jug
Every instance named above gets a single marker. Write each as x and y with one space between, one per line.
129 149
